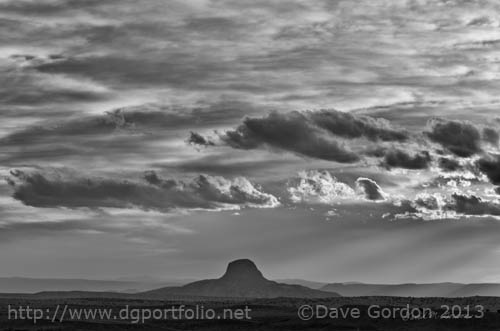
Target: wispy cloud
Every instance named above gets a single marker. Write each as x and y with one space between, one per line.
374 102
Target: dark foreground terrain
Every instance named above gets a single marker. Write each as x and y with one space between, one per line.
265 314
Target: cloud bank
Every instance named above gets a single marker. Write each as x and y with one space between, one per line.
204 192
324 134
291 132
461 138
436 206
351 126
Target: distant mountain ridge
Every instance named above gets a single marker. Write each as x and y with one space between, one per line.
33 285
242 279
307 283
450 290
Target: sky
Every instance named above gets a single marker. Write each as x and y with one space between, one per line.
326 140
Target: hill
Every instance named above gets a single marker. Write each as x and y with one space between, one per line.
242 279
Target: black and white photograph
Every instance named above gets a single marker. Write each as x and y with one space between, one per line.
249 165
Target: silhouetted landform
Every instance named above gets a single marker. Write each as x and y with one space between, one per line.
445 290
303 282
241 280
33 285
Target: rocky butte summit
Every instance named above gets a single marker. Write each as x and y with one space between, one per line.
242 279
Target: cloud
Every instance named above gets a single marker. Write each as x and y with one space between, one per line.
436 206
316 186
370 188
429 201
398 159
47 7
152 178
83 126
122 133
198 139
29 88
291 132
112 134
320 134
319 187
181 69
459 137
473 205
203 192
334 54
315 134
491 135
490 165
445 181
428 206
349 125
146 118
449 164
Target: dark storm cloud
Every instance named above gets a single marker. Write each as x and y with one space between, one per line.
318 134
490 166
491 135
427 201
371 189
459 137
449 164
399 159
377 151
291 132
473 205
198 139
206 192
349 125
152 178
497 190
